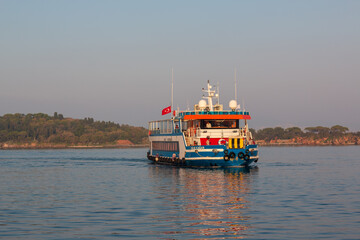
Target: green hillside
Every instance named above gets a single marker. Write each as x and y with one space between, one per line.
44 129
41 130
335 135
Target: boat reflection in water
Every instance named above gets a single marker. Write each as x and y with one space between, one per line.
198 203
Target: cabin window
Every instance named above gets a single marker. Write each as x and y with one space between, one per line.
220 124
169 146
177 126
184 125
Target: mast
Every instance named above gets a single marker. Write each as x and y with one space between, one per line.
235 84
218 94
172 88
211 94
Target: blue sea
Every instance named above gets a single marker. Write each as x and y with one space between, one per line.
292 193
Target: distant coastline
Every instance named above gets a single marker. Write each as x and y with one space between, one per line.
341 141
313 136
308 142
41 131
261 143
63 146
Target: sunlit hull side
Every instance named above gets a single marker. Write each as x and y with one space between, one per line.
203 156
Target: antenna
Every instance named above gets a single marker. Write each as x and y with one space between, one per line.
218 95
243 104
235 84
172 88
211 94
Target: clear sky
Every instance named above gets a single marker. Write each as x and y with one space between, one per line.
297 62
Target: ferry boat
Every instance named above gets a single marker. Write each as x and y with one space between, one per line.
208 136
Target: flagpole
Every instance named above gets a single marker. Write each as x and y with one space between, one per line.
218 92
235 84
172 88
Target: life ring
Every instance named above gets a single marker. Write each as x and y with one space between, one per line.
222 141
226 152
246 157
241 155
226 157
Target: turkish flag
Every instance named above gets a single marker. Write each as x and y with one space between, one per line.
166 110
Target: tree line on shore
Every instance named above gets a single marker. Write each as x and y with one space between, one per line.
268 134
20 128
42 128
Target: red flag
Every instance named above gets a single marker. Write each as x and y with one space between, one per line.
166 110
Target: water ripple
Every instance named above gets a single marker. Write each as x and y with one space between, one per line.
112 194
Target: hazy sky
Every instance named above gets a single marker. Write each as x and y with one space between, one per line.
298 62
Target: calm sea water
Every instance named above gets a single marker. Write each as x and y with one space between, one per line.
293 193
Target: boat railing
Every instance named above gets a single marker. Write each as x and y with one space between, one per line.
182 114
154 132
220 133
158 132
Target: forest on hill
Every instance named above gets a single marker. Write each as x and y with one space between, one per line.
335 135
41 128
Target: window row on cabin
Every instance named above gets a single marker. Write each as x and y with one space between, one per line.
165 146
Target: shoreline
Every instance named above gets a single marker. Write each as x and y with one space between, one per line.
37 147
306 145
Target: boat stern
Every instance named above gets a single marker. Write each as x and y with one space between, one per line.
221 156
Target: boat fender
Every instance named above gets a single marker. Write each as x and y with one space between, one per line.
226 152
246 157
247 151
232 155
241 155
226 157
